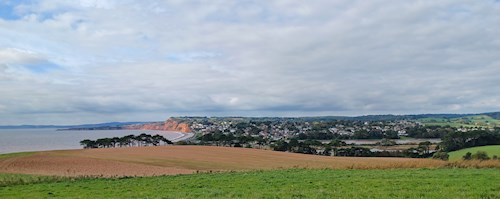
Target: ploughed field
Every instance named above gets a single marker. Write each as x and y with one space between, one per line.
171 160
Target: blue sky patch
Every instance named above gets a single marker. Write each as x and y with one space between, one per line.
41 67
7 10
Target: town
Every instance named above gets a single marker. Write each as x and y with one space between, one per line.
331 136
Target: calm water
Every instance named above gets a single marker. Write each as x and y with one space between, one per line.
398 141
19 140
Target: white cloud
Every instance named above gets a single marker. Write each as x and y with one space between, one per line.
138 60
17 56
97 4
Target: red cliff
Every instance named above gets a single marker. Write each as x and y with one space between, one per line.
169 125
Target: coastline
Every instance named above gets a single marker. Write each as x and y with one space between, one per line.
181 135
29 140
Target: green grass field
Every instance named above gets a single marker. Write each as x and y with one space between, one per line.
491 150
12 155
295 183
480 121
8 179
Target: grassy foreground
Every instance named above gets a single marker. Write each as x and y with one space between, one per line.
491 150
292 183
9 179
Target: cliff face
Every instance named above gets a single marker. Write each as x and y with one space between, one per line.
169 125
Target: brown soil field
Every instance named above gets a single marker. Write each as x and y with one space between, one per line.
170 160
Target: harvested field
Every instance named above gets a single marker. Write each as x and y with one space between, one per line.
166 160
49 164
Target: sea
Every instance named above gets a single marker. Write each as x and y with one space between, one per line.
41 139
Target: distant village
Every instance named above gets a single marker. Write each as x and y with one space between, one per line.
284 129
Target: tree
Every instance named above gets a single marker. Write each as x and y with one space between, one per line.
148 139
144 139
312 143
327 151
228 139
125 141
261 141
281 146
354 151
88 144
467 156
459 140
156 139
425 146
480 155
391 135
130 139
306 150
441 155
335 144
104 142
114 141
293 144
207 137
362 134
386 142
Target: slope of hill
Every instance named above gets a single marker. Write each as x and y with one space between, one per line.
491 150
494 115
471 121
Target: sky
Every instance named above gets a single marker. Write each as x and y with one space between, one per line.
91 61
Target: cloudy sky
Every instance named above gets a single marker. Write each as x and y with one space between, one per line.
70 62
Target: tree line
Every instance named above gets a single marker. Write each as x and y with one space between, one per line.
307 146
126 141
340 148
361 134
479 155
429 131
218 138
459 140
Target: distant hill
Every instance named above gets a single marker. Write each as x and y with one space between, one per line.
494 115
108 124
389 117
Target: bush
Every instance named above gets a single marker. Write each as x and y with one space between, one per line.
467 156
181 143
441 155
386 142
480 155
237 145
